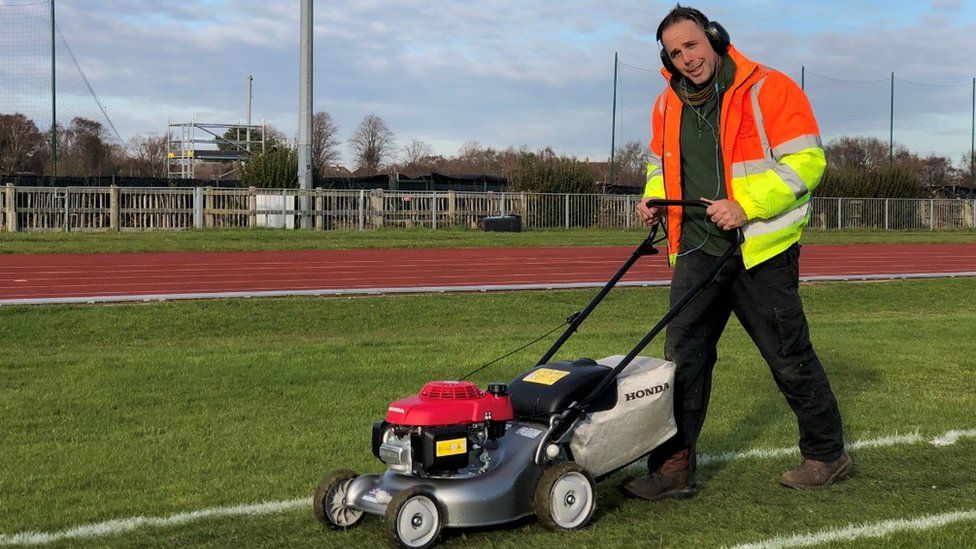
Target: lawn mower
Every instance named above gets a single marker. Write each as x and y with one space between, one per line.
458 456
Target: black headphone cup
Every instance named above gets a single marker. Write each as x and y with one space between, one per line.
718 37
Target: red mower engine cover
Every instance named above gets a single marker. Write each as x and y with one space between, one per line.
449 403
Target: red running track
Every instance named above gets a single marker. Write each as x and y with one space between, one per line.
26 278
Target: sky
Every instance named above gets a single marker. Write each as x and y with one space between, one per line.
498 72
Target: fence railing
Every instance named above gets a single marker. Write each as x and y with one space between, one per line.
152 209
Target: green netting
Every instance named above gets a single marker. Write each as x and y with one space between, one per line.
25 73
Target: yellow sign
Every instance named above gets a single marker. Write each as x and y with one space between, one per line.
545 376
451 447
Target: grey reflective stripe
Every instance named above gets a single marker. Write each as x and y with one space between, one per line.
796 145
653 167
792 180
782 221
752 167
784 172
758 116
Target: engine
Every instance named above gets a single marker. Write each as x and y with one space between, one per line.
445 430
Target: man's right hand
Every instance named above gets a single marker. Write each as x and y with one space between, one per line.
649 216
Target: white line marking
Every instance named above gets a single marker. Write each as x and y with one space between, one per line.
860 531
119 526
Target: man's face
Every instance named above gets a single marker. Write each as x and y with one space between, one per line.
690 52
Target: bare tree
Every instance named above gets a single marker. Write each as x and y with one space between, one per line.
418 158
148 155
416 152
325 143
372 144
631 162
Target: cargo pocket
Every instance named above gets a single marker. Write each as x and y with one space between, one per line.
794 333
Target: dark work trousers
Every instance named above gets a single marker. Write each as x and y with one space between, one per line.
766 301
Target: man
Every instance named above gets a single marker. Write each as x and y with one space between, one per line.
743 138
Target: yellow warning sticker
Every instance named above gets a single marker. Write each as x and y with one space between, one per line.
451 447
545 376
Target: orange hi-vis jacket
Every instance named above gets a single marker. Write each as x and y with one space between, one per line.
771 152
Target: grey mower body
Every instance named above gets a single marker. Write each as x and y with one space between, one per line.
502 493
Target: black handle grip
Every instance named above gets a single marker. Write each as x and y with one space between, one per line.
661 202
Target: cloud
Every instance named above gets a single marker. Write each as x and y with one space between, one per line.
501 72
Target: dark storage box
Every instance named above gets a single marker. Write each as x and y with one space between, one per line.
502 223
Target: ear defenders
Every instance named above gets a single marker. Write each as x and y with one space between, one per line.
718 37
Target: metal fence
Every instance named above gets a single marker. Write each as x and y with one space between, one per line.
141 209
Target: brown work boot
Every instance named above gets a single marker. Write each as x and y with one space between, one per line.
675 479
813 474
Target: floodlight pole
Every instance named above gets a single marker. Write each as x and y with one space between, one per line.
305 110
54 104
250 82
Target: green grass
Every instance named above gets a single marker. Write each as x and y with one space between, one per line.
153 409
270 239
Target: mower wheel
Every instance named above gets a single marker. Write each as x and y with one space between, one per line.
329 502
414 518
565 497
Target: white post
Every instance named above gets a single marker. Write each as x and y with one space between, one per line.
886 214
839 224
433 210
503 204
931 214
567 210
362 210
628 210
198 207
67 209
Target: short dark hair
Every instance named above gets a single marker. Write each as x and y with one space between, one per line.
678 14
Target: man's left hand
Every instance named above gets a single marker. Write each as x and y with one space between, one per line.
727 214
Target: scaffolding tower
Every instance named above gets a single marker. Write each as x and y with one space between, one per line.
191 142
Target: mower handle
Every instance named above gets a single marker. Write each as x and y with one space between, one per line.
663 203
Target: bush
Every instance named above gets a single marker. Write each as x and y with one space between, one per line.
276 168
544 172
897 181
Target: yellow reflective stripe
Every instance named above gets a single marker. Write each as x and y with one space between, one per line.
655 178
760 246
762 195
766 193
797 144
